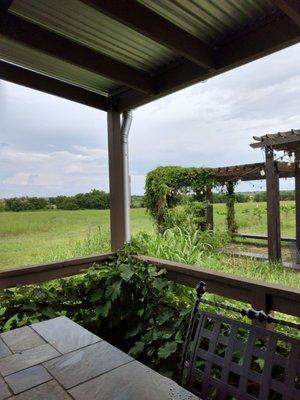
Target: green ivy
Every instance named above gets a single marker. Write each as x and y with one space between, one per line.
130 304
230 201
165 185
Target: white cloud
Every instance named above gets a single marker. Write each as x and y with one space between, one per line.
64 150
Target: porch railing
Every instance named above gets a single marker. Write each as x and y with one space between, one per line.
261 295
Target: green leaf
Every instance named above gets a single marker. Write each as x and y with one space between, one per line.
113 291
103 310
29 306
95 296
136 350
134 331
166 350
126 272
159 284
178 337
161 319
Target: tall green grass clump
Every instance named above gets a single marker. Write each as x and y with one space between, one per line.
186 245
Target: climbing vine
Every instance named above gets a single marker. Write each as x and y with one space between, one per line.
166 185
230 200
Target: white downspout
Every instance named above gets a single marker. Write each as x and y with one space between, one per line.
125 128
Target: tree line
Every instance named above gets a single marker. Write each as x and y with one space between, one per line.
98 199
245 197
93 200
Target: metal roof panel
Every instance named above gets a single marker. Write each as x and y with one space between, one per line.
210 20
37 61
85 25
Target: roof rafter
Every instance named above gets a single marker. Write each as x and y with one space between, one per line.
291 8
277 33
56 45
33 80
152 25
251 172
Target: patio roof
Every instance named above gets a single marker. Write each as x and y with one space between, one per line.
127 53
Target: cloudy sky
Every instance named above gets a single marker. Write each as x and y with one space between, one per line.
51 146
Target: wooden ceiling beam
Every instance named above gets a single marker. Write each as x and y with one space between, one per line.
152 25
29 34
33 80
291 8
275 34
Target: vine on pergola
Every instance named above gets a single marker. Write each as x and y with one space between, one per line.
230 200
164 185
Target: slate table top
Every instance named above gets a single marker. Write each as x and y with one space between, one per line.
59 360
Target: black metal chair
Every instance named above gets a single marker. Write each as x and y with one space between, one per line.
226 359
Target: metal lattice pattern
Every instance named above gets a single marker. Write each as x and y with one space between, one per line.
231 360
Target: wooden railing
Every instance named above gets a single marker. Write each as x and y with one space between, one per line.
262 237
261 295
45 272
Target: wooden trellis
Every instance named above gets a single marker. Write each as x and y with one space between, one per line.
273 171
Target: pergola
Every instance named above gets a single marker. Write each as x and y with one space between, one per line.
115 55
244 173
288 142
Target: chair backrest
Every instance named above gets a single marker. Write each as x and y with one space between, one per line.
226 359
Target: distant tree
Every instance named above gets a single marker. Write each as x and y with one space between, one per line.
137 201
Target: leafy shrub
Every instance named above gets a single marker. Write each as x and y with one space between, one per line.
190 215
126 302
137 201
95 199
166 186
26 203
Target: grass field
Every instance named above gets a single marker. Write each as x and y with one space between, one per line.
32 237
40 236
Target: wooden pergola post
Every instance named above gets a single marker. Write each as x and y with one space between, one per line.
116 180
297 203
209 209
273 207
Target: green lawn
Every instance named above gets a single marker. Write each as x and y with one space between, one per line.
252 217
33 237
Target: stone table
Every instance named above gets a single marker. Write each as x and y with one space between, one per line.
59 360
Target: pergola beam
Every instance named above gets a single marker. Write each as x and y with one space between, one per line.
65 49
274 34
291 8
33 80
152 25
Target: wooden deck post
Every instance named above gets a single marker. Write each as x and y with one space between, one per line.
297 203
116 180
273 207
209 209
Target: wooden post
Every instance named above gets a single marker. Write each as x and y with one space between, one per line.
297 203
209 209
116 180
273 207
